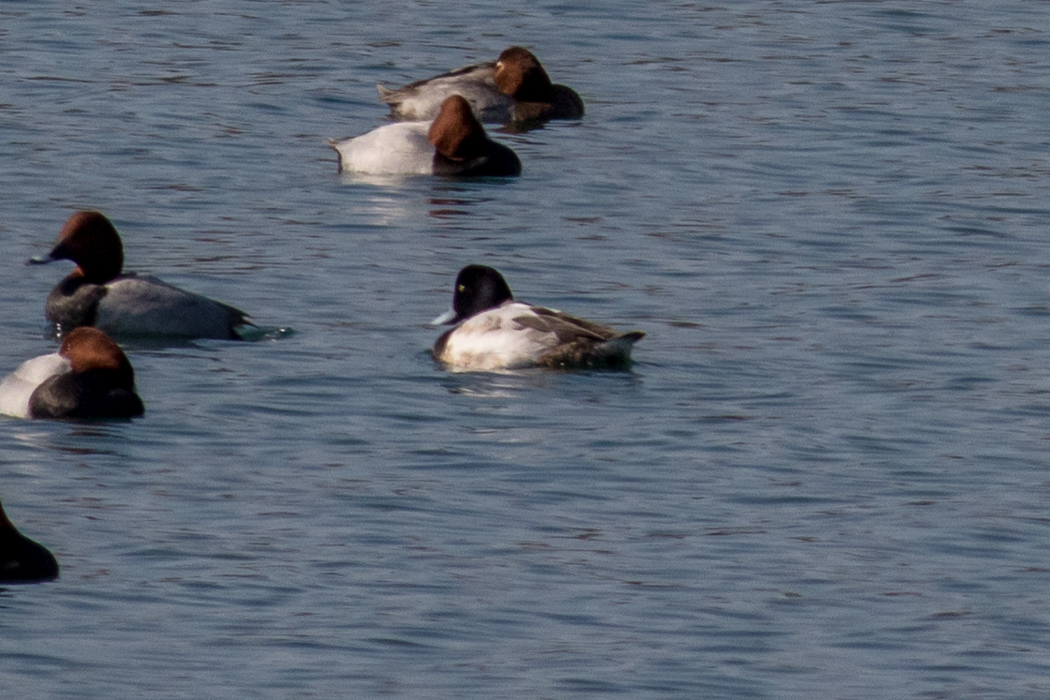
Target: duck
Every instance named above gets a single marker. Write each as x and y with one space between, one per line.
493 331
21 559
89 377
99 293
513 89
453 144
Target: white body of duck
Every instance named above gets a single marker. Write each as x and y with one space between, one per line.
495 332
453 144
514 88
394 149
98 293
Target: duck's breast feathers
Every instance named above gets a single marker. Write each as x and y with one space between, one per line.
496 160
21 559
90 394
17 387
74 302
143 305
30 563
394 149
562 103
566 103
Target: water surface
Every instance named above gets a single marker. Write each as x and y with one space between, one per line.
825 476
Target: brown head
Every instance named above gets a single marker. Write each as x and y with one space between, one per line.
88 348
90 240
520 75
456 133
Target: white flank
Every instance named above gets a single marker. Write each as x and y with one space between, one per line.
493 340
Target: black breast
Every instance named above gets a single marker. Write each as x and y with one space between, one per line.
23 560
88 394
497 161
74 303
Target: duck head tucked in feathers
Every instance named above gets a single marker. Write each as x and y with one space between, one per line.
463 148
100 383
89 377
515 89
454 144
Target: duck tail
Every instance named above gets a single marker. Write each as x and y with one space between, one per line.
618 348
334 145
613 353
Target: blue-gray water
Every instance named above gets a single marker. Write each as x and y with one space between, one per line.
826 476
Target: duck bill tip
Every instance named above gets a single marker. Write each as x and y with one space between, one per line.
444 319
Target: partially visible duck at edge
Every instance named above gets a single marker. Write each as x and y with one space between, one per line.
454 144
89 377
99 293
21 559
515 88
494 332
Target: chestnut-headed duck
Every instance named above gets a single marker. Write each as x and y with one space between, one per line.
454 144
89 377
493 331
515 88
21 559
99 293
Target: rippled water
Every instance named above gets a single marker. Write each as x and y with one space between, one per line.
825 477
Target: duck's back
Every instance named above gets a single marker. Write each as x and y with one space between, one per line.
143 305
394 149
422 100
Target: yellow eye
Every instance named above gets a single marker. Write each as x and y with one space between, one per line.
461 288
